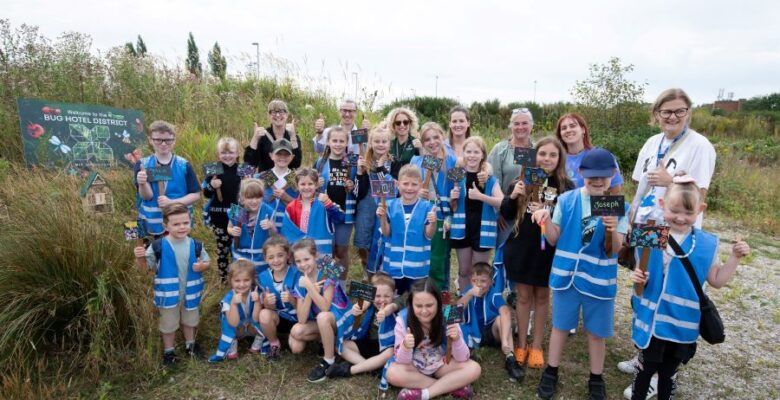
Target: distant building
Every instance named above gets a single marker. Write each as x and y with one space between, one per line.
728 105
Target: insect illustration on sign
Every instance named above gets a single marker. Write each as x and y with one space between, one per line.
124 135
58 145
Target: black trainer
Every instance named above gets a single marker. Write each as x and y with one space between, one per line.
339 370
546 388
597 390
194 351
169 359
515 370
319 373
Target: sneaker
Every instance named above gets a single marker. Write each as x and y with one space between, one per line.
318 374
546 388
409 394
257 344
631 366
463 393
339 370
194 351
597 390
169 359
274 353
520 355
572 331
515 370
651 391
535 358
232 352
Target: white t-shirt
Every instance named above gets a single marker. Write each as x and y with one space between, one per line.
693 154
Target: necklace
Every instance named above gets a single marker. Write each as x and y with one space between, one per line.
693 246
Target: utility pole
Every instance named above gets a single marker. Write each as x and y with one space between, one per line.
436 90
257 60
534 91
356 85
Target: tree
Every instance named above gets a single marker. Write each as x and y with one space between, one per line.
609 98
193 57
770 102
130 49
217 62
140 47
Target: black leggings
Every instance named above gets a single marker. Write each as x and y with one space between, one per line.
223 249
666 370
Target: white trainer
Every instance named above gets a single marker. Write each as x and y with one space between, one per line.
631 366
651 391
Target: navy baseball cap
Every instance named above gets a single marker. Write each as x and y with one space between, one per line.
598 163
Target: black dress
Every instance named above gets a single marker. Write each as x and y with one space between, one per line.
473 218
524 261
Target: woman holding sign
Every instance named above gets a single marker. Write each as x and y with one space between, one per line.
258 153
572 131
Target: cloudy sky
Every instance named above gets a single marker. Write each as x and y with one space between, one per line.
510 50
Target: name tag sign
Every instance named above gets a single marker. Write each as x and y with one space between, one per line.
159 173
535 176
453 314
525 156
330 269
359 136
268 178
363 291
290 179
351 160
382 188
213 169
650 237
238 214
245 170
135 230
431 163
605 206
456 174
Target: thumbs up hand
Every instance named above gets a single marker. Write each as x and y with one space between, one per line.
474 193
408 342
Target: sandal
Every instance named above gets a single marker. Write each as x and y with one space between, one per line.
535 358
520 355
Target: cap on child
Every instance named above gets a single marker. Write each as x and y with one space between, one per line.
598 163
281 144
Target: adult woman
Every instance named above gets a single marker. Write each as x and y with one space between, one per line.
258 153
572 131
459 129
405 144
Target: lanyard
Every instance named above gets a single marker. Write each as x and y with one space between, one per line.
660 155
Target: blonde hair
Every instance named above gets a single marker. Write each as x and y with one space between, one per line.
251 188
162 127
669 95
432 126
242 266
688 192
227 144
382 278
277 105
477 140
377 131
409 171
390 120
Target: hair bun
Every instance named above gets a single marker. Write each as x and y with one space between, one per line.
685 178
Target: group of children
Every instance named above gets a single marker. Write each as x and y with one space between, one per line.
290 222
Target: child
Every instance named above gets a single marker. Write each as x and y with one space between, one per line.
178 261
280 194
474 227
377 164
407 224
667 314
215 212
182 188
238 311
309 216
488 321
336 180
420 345
583 274
525 262
370 346
322 309
438 192
254 232
278 314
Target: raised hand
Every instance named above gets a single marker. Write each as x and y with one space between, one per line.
216 183
408 342
141 177
474 193
453 332
259 131
139 252
319 124
266 224
255 295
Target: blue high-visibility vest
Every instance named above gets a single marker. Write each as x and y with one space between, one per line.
488 229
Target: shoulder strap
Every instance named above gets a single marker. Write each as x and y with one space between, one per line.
198 247
689 269
157 248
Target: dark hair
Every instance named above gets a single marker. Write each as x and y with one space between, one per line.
465 112
436 333
174 208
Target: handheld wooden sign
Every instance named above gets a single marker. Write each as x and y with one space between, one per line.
290 180
650 237
136 230
268 178
351 160
534 176
160 174
453 314
643 258
214 169
241 216
431 163
359 136
446 297
382 188
362 292
330 268
456 174
525 156
611 205
131 230
245 170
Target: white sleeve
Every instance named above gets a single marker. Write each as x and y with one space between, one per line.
644 154
702 165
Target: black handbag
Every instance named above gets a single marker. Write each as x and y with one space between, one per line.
710 326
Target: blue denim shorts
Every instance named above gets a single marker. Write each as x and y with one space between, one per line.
365 222
598 315
341 234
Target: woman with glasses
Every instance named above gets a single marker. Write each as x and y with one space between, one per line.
572 131
405 144
258 153
677 148
459 129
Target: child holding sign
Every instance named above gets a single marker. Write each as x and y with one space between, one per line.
474 227
311 216
368 346
407 224
421 336
583 275
322 306
163 178
337 174
667 314
238 311
252 226
223 178
279 181
178 261
526 263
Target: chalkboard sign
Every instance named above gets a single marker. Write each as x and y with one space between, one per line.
244 170
268 178
159 173
456 174
364 291
238 214
359 136
131 231
213 169
290 179
351 160
431 163
525 156
330 269
650 236
382 188
607 206
453 314
535 176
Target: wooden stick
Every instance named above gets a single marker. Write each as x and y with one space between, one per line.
161 188
141 260
358 318
639 288
219 194
235 238
448 354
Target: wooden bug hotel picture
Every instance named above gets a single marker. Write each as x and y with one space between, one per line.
96 196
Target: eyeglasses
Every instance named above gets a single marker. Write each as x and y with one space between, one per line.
346 111
161 141
404 122
278 112
679 113
521 111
